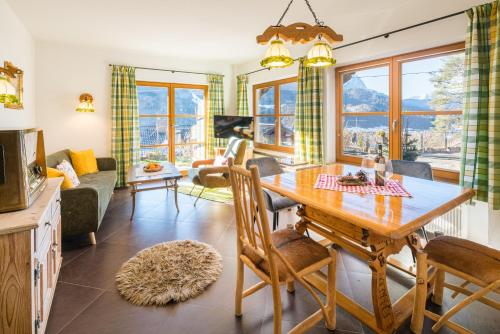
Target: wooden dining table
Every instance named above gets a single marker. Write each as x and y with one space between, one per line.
372 227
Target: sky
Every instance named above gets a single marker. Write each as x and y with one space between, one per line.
416 77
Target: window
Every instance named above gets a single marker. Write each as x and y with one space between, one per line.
412 104
172 122
274 112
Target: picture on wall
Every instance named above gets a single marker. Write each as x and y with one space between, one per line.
11 86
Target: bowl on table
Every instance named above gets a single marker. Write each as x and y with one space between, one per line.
152 167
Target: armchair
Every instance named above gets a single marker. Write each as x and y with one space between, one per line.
214 173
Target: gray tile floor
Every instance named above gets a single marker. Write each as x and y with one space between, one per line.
86 299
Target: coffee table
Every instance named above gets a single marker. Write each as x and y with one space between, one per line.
139 180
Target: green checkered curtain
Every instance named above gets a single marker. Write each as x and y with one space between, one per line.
480 163
242 95
309 115
215 107
125 142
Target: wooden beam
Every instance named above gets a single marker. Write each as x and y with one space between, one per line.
299 33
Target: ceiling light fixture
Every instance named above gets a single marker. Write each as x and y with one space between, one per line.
279 56
320 55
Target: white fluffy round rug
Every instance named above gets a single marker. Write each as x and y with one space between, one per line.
169 272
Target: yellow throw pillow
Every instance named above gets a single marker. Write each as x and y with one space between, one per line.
84 162
52 172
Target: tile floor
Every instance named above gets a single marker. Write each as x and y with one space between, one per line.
86 300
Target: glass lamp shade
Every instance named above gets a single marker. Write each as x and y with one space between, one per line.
86 104
277 55
85 107
7 91
320 55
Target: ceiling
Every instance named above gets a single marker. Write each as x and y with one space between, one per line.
221 30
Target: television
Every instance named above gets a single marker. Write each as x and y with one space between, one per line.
233 126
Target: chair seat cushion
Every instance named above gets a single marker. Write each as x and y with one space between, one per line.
465 256
212 181
276 202
217 180
300 251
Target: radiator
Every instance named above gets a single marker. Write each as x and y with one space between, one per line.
449 224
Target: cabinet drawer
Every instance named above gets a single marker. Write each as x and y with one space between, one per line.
49 221
43 230
55 206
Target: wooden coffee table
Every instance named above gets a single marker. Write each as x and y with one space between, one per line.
139 180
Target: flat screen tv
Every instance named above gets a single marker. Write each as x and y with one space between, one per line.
233 126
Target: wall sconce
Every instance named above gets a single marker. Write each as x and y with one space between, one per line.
11 86
86 104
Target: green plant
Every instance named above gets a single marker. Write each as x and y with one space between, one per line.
410 150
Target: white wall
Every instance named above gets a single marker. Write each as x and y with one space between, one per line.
436 34
66 71
17 46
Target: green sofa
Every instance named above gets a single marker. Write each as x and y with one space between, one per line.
83 207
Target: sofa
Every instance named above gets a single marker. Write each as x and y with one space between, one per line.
83 207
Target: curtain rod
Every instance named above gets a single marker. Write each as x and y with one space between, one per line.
167 70
385 35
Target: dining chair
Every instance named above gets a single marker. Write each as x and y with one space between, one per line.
463 258
421 170
275 203
279 257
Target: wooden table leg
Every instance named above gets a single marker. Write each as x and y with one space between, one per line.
175 193
382 305
132 193
387 317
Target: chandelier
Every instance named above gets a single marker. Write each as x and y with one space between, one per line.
320 55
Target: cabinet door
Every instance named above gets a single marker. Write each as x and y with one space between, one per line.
45 282
37 295
56 246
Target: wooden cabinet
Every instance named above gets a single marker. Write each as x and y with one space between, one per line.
30 259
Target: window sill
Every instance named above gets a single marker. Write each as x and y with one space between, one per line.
272 153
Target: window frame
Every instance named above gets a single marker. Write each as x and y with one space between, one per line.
171 115
277 115
395 113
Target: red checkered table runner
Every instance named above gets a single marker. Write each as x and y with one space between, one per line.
391 187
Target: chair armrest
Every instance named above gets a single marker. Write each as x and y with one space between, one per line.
205 162
205 171
104 164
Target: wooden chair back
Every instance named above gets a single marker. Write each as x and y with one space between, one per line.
254 236
251 215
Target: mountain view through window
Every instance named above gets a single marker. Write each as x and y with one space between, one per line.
275 114
429 111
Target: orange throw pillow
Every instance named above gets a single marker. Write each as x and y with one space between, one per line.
84 162
53 173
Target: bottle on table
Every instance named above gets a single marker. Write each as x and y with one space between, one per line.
379 167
